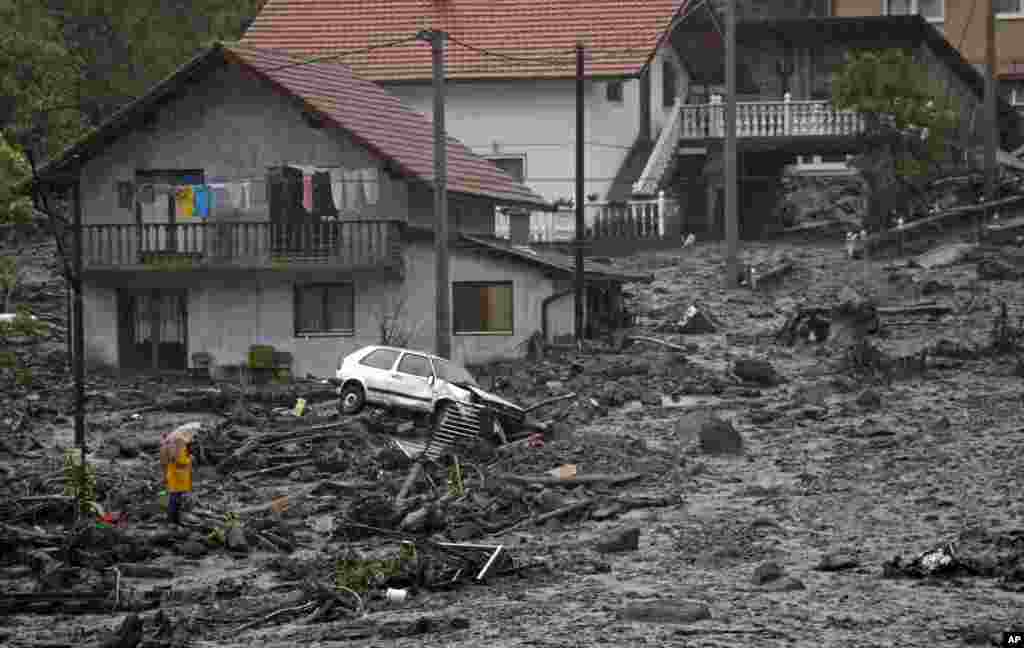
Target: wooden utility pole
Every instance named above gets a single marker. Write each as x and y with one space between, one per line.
78 323
579 195
442 344
731 185
991 120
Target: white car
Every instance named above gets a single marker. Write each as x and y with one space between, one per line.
418 383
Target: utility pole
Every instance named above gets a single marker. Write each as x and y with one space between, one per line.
78 323
442 344
579 195
731 185
991 120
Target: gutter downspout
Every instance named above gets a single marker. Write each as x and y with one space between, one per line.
544 310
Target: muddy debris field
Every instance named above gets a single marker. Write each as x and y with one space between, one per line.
832 457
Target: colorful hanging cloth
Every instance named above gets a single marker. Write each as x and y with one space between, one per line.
184 203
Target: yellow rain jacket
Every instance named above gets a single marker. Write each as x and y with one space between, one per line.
179 473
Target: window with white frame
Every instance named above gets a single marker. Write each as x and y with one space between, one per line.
931 10
1004 8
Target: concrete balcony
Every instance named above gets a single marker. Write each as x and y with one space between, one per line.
786 118
340 245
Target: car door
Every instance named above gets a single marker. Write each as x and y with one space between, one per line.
375 369
412 379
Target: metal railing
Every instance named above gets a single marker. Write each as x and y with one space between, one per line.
365 243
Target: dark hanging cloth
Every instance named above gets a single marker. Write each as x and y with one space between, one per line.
323 201
284 198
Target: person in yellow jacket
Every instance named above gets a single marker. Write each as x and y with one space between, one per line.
176 459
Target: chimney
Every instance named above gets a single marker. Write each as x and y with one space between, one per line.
519 227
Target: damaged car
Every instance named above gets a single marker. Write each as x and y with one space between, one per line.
420 384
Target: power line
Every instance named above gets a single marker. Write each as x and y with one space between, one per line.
340 55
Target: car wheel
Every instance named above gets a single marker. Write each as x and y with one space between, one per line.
352 400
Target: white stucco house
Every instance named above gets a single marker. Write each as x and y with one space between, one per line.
516 106
256 199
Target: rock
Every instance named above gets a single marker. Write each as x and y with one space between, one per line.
869 399
555 385
784 584
192 549
766 572
129 635
720 437
696 322
757 371
466 531
832 562
639 368
129 448
945 255
666 612
236 541
627 539
111 449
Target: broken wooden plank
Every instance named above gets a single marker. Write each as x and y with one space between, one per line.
917 309
549 401
278 469
595 479
669 345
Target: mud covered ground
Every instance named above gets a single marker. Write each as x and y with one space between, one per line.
840 472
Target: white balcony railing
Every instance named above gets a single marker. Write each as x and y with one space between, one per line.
637 219
786 118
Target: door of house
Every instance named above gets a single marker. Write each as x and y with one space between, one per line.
153 330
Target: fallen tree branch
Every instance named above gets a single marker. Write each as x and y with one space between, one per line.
545 480
273 615
278 469
640 338
549 401
918 309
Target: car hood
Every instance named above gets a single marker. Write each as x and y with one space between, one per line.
487 396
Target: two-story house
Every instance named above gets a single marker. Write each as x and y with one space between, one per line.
252 198
654 80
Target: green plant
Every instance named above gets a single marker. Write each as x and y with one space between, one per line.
23 376
219 535
909 124
79 480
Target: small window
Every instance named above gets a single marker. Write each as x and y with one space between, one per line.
613 91
668 84
482 307
514 166
380 359
1011 7
324 308
415 365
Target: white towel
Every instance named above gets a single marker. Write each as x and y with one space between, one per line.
370 187
234 190
338 188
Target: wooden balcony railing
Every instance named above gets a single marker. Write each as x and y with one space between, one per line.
344 244
786 118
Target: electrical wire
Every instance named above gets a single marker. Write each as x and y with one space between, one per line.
341 55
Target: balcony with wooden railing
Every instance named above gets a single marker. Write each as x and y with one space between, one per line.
342 245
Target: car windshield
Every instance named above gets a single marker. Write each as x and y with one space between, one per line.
453 373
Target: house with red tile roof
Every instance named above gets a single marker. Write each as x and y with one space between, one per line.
654 71
254 199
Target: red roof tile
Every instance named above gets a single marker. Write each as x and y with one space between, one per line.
620 35
383 123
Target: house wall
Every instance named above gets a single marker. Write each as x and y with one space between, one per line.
227 315
233 127
536 120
